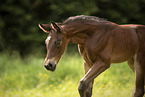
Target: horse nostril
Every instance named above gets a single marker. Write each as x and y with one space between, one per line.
50 65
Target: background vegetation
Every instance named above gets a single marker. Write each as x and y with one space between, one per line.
19 18
22 48
28 78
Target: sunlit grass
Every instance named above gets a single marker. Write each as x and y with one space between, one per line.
28 78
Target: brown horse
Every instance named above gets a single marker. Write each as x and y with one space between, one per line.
100 43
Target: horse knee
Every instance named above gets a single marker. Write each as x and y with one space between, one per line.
82 88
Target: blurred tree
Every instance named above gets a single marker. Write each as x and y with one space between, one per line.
19 24
122 11
19 19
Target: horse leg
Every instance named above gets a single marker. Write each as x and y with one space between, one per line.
131 63
97 68
87 66
139 73
90 87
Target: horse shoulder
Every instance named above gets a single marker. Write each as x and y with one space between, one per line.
99 44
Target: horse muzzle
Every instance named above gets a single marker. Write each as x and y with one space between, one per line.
50 65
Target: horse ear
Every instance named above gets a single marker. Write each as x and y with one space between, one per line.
55 27
45 27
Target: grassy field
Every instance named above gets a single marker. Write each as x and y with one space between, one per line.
28 78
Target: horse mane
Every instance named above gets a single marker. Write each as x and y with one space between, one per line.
84 19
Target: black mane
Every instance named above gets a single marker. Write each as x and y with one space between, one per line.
83 18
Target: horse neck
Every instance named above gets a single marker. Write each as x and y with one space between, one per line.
78 34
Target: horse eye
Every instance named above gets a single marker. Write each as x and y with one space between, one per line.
58 43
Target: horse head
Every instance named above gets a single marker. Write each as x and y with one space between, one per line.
56 43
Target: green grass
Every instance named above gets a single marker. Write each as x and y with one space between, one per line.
28 78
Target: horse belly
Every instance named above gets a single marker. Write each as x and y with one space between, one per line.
118 58
121 54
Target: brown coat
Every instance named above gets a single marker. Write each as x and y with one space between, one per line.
100 43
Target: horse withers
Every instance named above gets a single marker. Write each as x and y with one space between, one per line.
100 43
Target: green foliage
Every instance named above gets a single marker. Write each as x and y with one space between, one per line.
122 11
28 78
18 25
19 19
